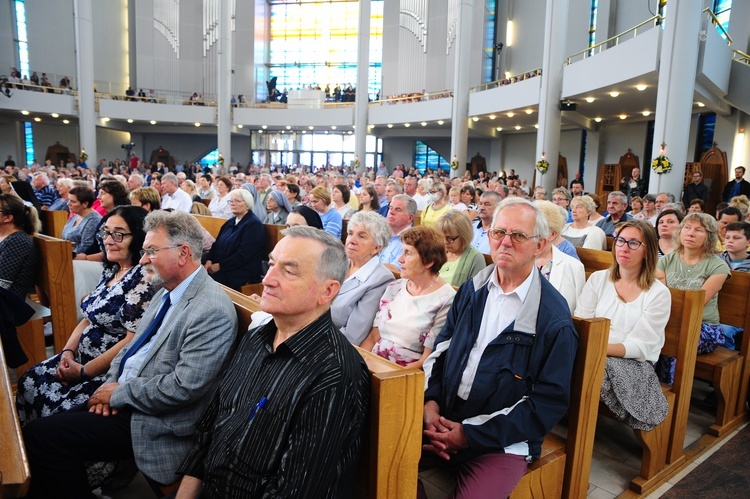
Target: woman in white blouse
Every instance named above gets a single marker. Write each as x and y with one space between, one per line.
219 206
579 232
638 307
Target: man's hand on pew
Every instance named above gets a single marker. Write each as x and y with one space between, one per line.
446 437
99 401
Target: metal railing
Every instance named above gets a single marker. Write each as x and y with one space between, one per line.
507 81
414 97
715 21
740 56
613 41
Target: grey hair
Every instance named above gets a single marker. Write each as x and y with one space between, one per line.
584 201
504 188
494 195
541 228
562 190
246 197
411 205
674 206
181 228
67 182
332 262
670 196
396 186
171 178
376 224
138 177
618 194
44 177
425 182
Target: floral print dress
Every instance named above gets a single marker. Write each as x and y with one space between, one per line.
112 311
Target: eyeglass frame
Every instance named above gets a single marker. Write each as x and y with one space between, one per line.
151 252
621 241
104 233
514 235
452 239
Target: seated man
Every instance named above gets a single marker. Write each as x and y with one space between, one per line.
487 203
401 213
499 378
157 384
287 418
736 240
617 203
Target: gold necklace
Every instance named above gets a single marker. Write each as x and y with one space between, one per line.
426 290
123 270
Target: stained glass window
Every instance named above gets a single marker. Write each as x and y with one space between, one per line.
23 58
426 157
722 9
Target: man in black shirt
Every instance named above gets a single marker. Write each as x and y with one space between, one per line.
695 190
287 418
736 187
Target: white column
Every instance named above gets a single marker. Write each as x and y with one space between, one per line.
361 104
674 97
84 45
548 134
460 112
591 168
224 82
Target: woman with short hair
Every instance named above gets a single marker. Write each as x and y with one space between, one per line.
219 205
82 226
341 195
18 256
438 207
579 232
320 201
463 260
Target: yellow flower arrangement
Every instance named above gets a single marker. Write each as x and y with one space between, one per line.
542 166
661 164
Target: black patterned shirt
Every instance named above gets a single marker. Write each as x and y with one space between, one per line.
287 423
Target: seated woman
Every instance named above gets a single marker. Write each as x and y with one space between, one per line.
368 199
302 215
438 207
112 313
341 195
413 309
694 265
278 208
18 257
563 271
146 197
354 308
579 232
219 206
81 228
236 257
463 260
320 201
667 225
638 307
292 194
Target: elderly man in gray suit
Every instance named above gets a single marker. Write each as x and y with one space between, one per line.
157 385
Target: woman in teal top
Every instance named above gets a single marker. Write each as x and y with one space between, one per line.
463 260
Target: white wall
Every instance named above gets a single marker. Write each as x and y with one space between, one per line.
186 147
578 25
111 57
527 49
519 154
8 47
51 38
629 13
47 135
8 139
617 139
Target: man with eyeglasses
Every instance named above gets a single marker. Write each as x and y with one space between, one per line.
499 378
695 190
157 385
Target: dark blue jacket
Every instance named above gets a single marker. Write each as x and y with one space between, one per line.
239 251
522 385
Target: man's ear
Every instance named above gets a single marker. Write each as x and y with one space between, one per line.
541 244
330 290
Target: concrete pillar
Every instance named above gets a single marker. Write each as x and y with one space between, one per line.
84 45
361 104
591 167
224 94
674 96
460 112
550 116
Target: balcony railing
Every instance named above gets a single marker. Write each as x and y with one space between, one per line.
414 97
615 40
740 56
507 81
717 24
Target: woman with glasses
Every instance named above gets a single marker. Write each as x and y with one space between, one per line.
438 207
81 228
463 260
236 257
638 307
111 315
694 265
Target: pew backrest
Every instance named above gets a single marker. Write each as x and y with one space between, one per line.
54 278
14 464
212 224
53 222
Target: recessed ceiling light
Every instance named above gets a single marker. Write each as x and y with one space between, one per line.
264 127
326 132
529 111
390 125
441 122
536 126
510 115
333 127
311 127
153 122
407 125
350 132
260 131
289 127
518 127
597 119
37 119
590 99
641 87
25 113
55 115
66 121
614 94
499 129
424 123
475 119
700 104
197 124
130 120
646 113
354 126
304 132
623 116
240 126
492 116
105 120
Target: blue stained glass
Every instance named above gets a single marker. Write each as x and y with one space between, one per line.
426 157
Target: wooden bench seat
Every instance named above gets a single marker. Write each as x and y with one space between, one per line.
15 475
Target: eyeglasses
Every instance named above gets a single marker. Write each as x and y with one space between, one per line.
517 237
116 236
451 239
232 201
632 244
151 252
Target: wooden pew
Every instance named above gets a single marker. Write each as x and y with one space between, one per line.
564 467
53 222
211 224
15 475
391 456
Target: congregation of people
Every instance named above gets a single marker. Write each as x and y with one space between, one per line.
393 261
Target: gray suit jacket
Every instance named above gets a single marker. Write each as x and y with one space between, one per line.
171 387
354 308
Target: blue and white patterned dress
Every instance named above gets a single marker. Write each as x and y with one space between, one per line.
112 311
